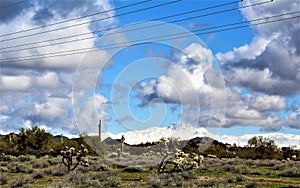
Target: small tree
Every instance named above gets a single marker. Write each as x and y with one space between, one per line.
32 139
263 147
69 153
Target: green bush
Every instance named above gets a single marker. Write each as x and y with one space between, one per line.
23 158
133 169
251 185
3 179
154 181
3 169
38 174
77 178
21 182
40 164
59 171
112 181
3 163
21 168
188 175
293 172
7 158
232 178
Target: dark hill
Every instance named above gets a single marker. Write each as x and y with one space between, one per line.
110 141
58 138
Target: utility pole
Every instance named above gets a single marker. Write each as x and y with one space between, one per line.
99 127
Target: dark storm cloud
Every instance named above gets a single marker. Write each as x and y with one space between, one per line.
12 8
64 8
41 16
46 9
271 62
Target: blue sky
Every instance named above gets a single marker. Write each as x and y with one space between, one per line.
243 80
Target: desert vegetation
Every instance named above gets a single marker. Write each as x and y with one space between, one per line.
61 162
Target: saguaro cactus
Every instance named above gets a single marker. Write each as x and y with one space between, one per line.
122 143
69 153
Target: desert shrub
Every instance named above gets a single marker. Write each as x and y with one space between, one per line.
241 169
266 162
83 169
255 172
104 167
239 178
99 167
251 185
154 182
210 183
23 158
38 174
40 164
21 182
203 168
77 178
170 179
3 179
178 179
47 171
133 169
21 168
17 183
59 171
103 176
232 178
229 168
7 158
61 184
188 175
93 183
54 161
293 172
279 166
3 169
112 181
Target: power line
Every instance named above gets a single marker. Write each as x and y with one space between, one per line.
88 22
123 44
197 30
155 25
88 33
72 19
12 4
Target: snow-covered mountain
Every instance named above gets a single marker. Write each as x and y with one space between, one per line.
184 131
180 131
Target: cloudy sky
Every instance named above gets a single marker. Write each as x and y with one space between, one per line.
67 64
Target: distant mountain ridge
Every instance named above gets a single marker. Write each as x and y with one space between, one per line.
182 131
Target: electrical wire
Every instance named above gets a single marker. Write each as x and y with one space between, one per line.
155 19
163 38
88 22
12 4
155 25
72 19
